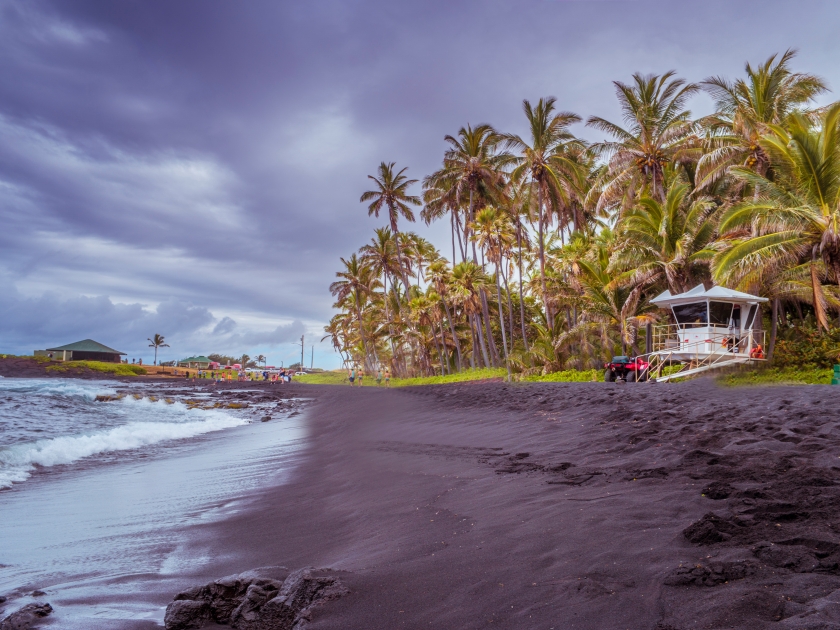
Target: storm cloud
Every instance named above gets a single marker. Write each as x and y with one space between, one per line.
194 168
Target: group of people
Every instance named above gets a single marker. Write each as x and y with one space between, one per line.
356 376
220 376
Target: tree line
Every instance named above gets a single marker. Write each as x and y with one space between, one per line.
558 244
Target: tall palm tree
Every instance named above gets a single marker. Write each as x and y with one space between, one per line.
796 217
157 341
545 160
666 241
658 128
391 194
260 359
495 235
745 109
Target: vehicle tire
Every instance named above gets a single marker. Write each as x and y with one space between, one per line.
609 376
643 377
630 377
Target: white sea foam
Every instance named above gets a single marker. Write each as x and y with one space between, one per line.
175 422
88 390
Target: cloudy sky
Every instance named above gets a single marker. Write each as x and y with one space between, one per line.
193 168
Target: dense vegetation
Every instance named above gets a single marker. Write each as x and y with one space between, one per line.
559 244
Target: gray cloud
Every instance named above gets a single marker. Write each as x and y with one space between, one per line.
210 155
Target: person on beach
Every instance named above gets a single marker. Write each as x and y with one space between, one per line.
352 375
379 377
361 376
387 378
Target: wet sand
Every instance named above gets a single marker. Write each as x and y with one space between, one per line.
586 505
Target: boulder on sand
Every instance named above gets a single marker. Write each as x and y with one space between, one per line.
250 602
26 617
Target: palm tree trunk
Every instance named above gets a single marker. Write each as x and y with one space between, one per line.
774 321
454 336
452 225
819 302
445 351
477 324
473 350
439 351
400 260
502 319
521 280
548 318
510 309
491 343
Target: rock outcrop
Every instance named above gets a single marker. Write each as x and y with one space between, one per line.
26 617
250 602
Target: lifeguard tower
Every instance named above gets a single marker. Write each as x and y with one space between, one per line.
713 328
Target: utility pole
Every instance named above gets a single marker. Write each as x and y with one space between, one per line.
312 358
301 353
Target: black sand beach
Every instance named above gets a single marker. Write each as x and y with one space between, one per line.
667 507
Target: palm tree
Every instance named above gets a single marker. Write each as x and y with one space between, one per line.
494 234
746 109
469 283
796 217
666 241
391 194
157 341
621 308
658 127
545 160
356 282
440 277
260 359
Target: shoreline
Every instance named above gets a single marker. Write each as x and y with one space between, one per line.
556 506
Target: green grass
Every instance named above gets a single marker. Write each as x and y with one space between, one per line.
117 369
340 378
567 376
460 377
779 376
323 378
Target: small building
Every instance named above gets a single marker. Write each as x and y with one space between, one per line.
200 363
713 328
86 350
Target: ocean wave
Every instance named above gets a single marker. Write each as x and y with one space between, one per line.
17 462
87 390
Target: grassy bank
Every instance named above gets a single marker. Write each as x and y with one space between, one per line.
340 378
778 376
568 376
116 369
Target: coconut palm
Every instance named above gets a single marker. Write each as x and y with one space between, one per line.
356 283
391 194
666 241
545 161
658 128
157 341
469 283
796 217
441 279
746 109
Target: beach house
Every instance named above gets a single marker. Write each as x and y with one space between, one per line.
85 350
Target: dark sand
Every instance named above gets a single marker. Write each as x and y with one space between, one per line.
559 506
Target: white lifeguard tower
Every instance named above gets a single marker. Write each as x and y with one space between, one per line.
713 328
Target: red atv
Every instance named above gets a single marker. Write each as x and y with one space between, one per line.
626 369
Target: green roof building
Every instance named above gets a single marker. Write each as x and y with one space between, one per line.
200 362
86 350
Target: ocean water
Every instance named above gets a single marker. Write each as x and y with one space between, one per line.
100 502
